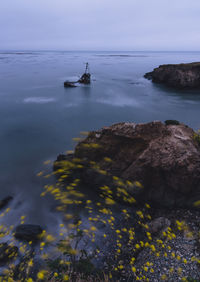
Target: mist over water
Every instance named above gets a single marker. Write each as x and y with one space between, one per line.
39 117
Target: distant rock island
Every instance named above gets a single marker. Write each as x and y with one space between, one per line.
177 75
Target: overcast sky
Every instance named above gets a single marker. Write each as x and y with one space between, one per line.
100 24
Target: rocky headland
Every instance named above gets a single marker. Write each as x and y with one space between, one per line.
177 75
159 164
164 158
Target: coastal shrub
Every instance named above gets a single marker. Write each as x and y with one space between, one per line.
196 137
172 122
85 266
101 237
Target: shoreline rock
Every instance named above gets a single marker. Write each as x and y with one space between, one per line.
165 159
177 75
28 232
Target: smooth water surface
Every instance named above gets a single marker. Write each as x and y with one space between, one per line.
39 117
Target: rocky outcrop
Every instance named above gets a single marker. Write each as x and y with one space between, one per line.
177 75
164 158
28 232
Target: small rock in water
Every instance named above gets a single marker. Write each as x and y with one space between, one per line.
28 232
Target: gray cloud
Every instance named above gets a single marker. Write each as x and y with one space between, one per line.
100 24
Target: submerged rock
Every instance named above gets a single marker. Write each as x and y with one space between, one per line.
177 75
164 158
28 232
7 252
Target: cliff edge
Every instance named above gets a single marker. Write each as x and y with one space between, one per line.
177 75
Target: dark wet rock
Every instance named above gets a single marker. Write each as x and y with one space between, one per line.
28 232
165 159
7 253
177 75
5 202
158 225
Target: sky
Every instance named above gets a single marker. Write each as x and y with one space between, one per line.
131 25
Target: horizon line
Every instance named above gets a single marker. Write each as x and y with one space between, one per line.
62 50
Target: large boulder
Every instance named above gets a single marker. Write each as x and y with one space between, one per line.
164 158
177 75
28 232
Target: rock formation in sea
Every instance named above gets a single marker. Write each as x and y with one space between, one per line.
177 75
164 158
28 232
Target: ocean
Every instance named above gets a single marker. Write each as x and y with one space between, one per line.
39 117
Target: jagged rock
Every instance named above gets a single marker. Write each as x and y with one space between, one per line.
7 252
5 202
177 75
164 158
28 232
158 225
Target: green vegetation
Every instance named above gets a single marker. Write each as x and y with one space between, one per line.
172 122
196 137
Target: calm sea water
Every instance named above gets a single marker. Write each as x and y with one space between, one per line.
39 117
